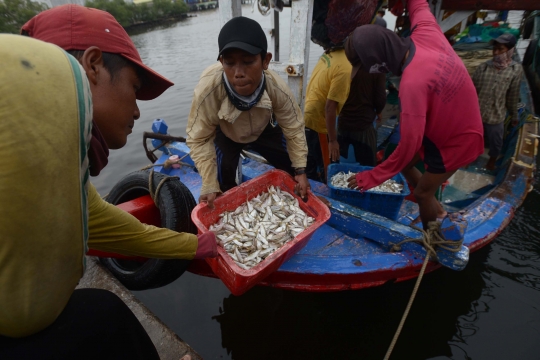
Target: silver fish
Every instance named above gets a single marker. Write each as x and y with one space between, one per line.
260 226
340 180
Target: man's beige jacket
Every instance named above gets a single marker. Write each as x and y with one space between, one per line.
211 107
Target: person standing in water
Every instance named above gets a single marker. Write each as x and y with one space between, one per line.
440 116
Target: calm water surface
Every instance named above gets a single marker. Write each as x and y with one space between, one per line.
491 310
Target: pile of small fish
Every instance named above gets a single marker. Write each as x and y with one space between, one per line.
260 226
340 180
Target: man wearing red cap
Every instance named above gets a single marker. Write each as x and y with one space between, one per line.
116 77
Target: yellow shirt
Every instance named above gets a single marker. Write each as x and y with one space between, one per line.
330 80
49 212
114 230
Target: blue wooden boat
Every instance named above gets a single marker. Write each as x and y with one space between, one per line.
351 250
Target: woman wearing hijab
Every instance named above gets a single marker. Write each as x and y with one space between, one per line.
440 118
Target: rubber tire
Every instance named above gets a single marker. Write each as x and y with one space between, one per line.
175 205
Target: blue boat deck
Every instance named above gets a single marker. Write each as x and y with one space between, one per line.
353 249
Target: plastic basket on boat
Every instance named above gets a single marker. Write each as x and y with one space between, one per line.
381 203
235 278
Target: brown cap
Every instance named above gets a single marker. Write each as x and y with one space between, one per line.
75 27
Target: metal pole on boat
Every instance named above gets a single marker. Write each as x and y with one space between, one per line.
275 35
229 9
301 15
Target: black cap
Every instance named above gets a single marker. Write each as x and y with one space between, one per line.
506 39
242 33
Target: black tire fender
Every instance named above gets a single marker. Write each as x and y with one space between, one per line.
175 203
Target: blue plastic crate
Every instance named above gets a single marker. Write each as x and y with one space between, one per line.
384 204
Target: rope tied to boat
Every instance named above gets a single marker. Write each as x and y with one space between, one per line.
168 163
431 238
155 194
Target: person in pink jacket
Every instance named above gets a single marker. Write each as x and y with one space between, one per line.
440 114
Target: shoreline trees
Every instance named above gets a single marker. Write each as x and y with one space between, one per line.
133 14
15 13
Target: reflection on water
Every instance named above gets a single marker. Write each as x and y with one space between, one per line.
267 323
488 311
519 250
347 325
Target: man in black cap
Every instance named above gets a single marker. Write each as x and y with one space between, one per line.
497 84
239 102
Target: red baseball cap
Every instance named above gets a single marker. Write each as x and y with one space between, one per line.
75 27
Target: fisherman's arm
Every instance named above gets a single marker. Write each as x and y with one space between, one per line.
337 94
330 110
201 131
291 121
412 132
114 230
477 77
512 98
420 14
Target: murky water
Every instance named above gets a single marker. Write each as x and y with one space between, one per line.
491 310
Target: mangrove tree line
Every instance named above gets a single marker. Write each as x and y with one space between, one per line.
14 13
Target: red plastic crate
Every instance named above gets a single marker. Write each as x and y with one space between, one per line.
238 280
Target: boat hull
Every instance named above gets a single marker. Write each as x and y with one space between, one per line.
349 252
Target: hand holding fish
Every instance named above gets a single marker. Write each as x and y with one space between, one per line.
361 181
352 183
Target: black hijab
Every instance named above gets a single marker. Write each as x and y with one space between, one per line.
380 50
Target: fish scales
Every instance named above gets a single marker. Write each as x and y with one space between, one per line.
260 226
